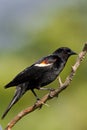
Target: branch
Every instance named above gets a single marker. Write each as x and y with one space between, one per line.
53 93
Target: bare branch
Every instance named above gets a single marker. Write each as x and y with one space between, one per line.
53 93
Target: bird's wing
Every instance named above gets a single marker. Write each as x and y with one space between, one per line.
46 61
31 72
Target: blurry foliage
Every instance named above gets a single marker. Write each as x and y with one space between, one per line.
69 111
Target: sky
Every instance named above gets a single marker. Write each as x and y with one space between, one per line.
19 16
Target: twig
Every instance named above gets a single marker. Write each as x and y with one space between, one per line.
53 93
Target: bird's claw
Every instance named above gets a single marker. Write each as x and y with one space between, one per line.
51 89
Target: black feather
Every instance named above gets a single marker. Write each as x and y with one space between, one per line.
20 90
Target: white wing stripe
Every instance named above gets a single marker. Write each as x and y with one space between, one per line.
43 65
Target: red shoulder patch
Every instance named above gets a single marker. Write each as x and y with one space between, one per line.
46 62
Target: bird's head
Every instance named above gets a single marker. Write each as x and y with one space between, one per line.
64 52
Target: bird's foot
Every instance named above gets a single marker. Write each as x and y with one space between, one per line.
51 89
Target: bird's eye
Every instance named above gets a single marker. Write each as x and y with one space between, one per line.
68 51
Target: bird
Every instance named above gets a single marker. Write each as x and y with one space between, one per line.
41 73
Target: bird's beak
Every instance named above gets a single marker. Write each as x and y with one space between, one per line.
74 53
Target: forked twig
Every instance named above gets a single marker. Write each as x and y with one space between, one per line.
53 93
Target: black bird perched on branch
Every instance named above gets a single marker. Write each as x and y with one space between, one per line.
39 74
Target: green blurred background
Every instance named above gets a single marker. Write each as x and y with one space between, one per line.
30 29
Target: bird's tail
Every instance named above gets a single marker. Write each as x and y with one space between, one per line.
20 90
